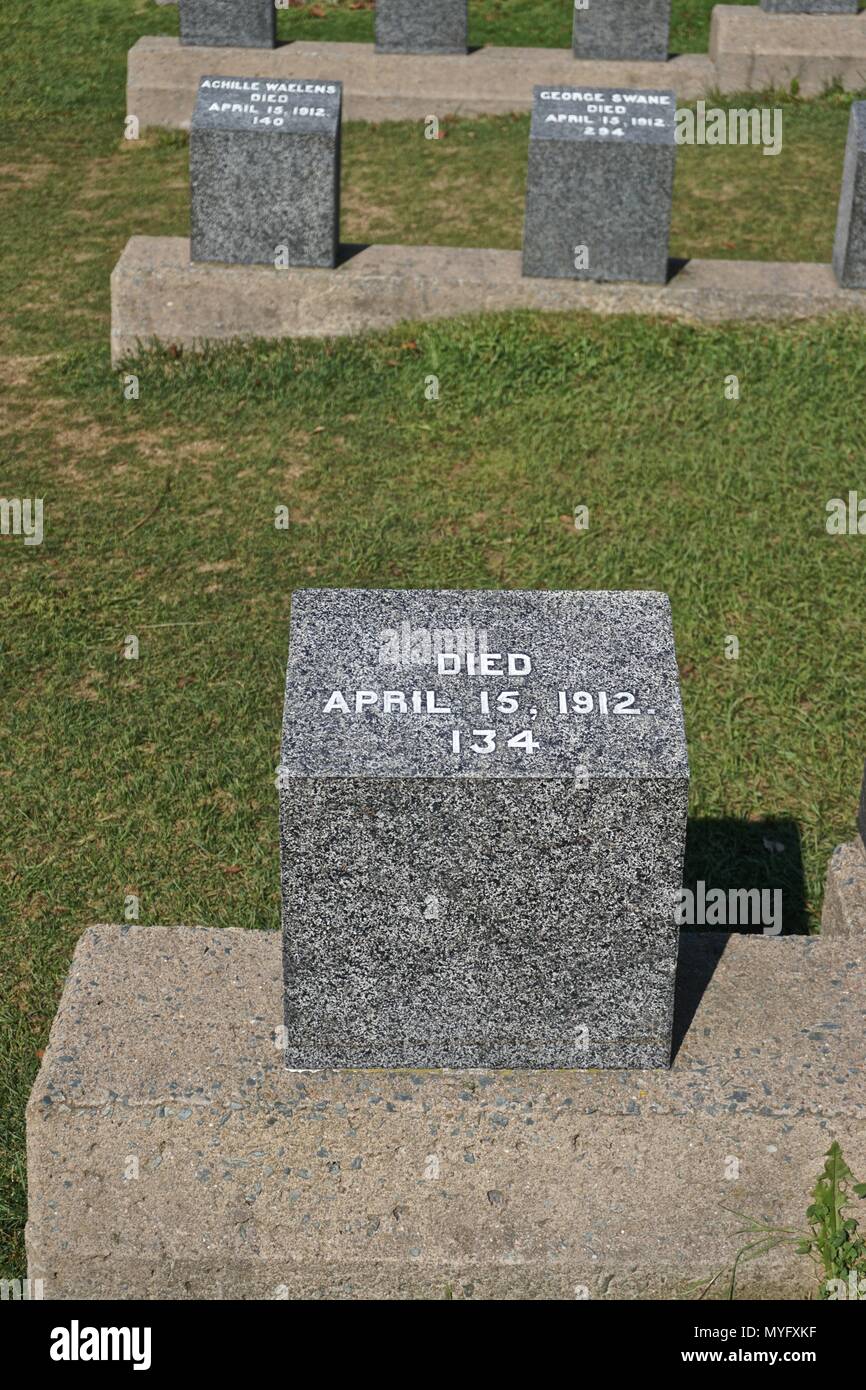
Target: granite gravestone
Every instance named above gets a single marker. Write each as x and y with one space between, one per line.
421 26
483 811
849 249
228 23
264 159
810 6
599 184
622 29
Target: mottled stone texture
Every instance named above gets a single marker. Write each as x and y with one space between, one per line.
622 29
849 250
228 23
810 6
264 160
480 908
844 909
600 184
421 26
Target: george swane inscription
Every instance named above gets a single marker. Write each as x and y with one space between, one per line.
600 184
606 113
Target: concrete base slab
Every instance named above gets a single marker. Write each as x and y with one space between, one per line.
172 1155
844 912
749 51
753 50
159 296
163 76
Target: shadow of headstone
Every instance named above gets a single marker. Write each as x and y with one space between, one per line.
734 856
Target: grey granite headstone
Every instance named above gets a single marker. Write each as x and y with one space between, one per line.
483 811
849 249
421 26
600 184
228 23
810 6
622 29
264 159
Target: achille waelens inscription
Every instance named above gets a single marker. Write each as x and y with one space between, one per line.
264 162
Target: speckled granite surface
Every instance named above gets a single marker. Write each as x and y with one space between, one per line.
479 864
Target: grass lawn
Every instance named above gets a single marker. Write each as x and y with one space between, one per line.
155 776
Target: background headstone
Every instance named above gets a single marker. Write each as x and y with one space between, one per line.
622 29
421 26
810 6
228 23
849 249
264 161
600 184
479 866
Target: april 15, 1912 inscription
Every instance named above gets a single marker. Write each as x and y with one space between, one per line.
486 701
509 684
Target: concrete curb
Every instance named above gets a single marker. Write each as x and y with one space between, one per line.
844 912
753 51
172 1155
159 296
162 77
749 51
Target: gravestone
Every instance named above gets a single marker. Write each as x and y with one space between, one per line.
421 26
228 23
861 819
600 184
483 810
849 249
622 29
810 6
264 160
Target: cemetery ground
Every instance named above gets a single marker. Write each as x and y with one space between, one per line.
154 777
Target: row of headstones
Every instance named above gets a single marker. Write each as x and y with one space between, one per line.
628 30
265 180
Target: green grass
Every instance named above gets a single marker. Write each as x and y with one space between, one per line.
154 776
